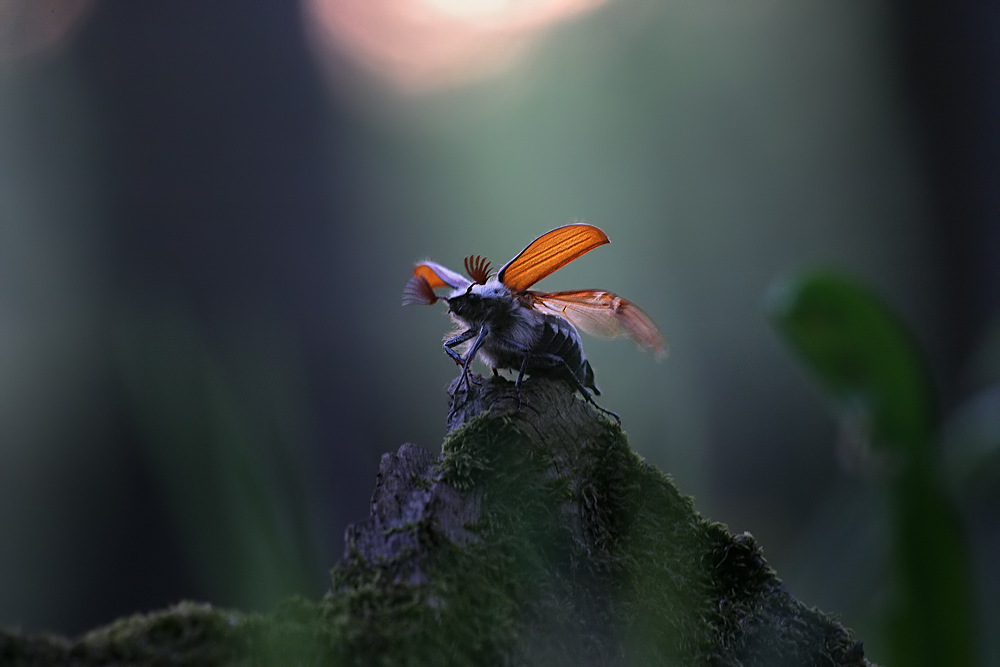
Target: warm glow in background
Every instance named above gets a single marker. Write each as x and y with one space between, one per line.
422 44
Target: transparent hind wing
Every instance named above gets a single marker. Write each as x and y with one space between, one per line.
603 314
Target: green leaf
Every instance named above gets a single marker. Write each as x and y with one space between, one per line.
863 355
860 352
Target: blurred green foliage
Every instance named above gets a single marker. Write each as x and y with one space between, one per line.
233 487
867 362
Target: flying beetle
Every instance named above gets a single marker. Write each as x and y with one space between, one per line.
512 327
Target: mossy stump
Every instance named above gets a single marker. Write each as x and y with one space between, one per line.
538 537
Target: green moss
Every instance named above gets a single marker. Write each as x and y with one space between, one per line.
595 546
580 553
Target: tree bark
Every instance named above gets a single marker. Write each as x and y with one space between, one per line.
537 537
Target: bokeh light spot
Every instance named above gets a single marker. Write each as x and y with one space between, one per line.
425 44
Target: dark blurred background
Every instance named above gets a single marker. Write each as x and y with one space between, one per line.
208 212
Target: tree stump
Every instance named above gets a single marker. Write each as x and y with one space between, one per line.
537 537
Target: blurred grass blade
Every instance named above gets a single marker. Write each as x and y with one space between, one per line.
232 489
862 355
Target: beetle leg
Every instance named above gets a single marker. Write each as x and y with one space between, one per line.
458 340
470 355
583 390
554 361
517 383
483 333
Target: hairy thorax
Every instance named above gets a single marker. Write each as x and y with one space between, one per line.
513 326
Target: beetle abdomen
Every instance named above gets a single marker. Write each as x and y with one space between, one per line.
560 339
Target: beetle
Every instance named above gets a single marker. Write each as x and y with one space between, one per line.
513 327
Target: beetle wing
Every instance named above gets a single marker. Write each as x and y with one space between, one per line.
549 252
438 276
603 314
427 277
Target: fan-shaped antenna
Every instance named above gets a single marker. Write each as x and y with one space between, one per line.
478 268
